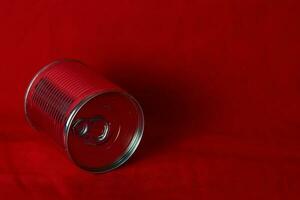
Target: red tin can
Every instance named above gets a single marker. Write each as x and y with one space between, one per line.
98 123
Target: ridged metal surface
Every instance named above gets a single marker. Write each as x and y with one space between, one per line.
65 92
54 91
51 100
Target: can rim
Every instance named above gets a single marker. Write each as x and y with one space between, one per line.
134 143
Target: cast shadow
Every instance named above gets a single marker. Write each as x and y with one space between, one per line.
169 108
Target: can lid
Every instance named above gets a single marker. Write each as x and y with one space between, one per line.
104 130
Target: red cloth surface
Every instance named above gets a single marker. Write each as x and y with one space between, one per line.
219 82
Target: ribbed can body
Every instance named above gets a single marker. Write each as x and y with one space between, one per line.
65 93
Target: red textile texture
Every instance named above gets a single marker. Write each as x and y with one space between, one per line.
219 82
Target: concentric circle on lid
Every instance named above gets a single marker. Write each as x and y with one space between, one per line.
104 130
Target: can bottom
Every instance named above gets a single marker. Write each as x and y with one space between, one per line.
108 129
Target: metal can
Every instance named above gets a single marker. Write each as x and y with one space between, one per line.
98 123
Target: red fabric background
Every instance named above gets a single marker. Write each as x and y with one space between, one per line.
219 82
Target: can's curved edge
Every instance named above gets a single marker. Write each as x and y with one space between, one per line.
131 147
35 77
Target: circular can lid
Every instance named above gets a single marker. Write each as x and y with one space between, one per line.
104 130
